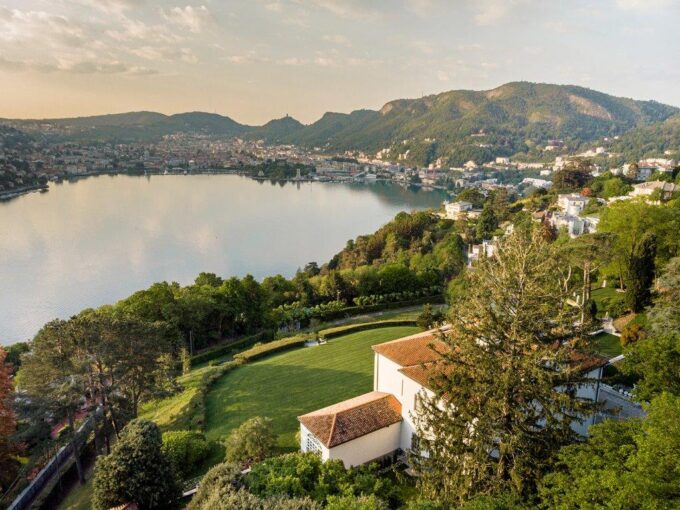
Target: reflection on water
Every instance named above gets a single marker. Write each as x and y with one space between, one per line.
97 240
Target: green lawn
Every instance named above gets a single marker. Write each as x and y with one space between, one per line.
608 345
286 385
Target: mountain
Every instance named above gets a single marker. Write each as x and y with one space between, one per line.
132 127
464 124
652 140
517 118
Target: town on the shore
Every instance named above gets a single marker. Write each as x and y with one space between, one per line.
31 165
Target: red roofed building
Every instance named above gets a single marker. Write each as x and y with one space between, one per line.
381 423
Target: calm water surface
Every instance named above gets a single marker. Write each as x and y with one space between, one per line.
95 241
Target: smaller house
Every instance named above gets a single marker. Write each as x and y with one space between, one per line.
355 431
572 204
666 189
455 209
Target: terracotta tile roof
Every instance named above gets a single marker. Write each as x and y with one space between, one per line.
412 350
587 361
420 373
353 418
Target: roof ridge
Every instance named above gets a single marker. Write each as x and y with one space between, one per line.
330 435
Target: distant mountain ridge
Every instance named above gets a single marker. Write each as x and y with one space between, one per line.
454 126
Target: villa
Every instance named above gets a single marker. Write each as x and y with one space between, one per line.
382 423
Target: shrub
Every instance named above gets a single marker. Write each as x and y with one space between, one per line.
260 351
305 475
136 471
355 328
356 503
632 333
423 504
429 319
221 350
219 481
252 441
186 450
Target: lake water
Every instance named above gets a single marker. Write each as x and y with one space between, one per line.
95 241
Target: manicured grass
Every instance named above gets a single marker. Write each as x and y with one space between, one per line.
172 413
287 385
608 345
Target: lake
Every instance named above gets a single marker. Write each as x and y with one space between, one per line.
94 241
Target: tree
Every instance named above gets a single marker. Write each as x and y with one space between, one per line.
253 441
487 223
53 376
8 423
429 319
221 480
641 273
630 221
573 176
588 253
656 360
664 316
136 471
511 345
624 465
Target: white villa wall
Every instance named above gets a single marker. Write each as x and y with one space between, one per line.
387 378
304 433
369 447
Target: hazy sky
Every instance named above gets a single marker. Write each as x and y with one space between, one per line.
259 59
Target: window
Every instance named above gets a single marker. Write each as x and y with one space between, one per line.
313 445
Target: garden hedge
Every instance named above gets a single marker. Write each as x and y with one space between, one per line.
262 350
221 350
329 333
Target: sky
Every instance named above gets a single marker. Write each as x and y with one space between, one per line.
255 60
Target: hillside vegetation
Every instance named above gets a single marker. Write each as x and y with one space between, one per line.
455 126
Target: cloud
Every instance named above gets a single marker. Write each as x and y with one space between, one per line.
646 5
491 12
194 19
169 54
443 76
421 8
324 61
292 61
77 67
338 39
423 47
354 9
17 26
112 6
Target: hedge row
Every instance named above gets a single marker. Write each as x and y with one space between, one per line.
329 333
356 310
262 350
194 412
221 350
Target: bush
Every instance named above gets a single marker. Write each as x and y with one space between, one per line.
136 471
221 350
356 503
252 441
423 504
185 449
220 480
355 328
262 350
429 319
305 475
615 306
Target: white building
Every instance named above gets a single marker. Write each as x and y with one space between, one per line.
537 183
455 209
382 423
666 189
572 204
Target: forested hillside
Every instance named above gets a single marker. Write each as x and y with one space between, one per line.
513 119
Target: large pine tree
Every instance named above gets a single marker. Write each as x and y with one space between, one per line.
505 387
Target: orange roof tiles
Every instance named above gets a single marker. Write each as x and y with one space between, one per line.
412 350
353 418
